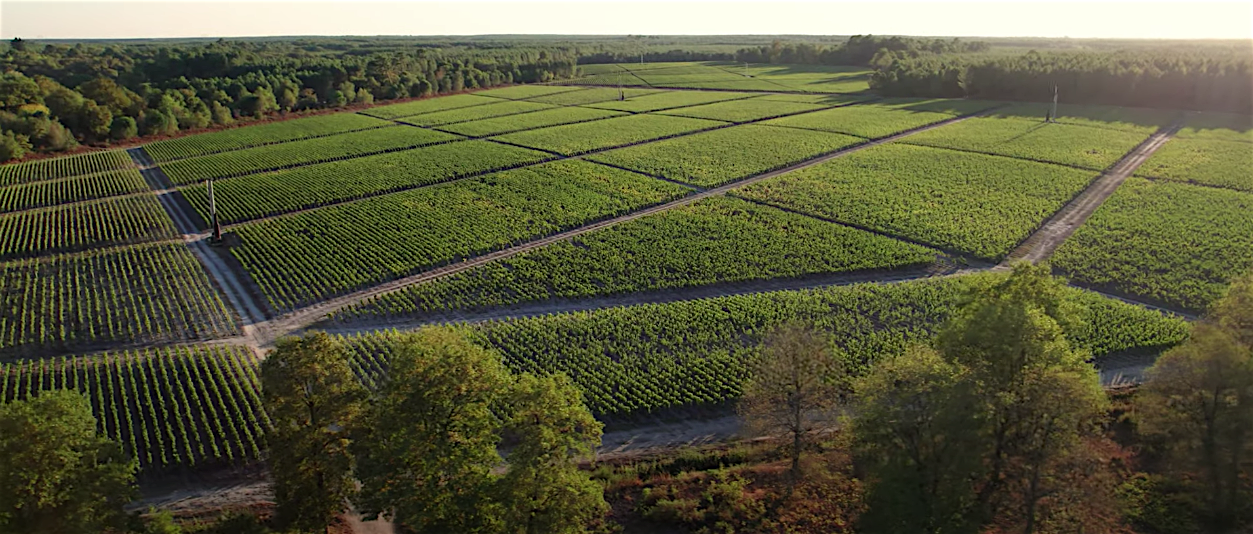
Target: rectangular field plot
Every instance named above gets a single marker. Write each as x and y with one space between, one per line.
668 100
743 84
590 96
873 120
726 155
98 223
312 256
473 113
573 139
49 169
74 189
824 100
154 293
1218 126
1177 244
260 195
168 408
1203 161
1139 120
742 110
644 358
1080 146
295 153
716 240
972 203
530 121
599 68
264 134
519 92
427 105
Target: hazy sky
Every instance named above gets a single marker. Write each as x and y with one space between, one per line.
191 18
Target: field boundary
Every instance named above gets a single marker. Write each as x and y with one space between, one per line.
266 143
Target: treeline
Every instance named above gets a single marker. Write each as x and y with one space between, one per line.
54 97
863 50
1215 79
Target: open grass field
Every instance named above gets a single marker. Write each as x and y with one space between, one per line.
108 282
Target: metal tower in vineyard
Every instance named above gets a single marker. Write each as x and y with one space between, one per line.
213 214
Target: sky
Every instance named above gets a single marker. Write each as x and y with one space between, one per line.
66 19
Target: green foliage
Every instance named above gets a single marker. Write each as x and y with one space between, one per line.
749 109
470 113
409 109
72 227
313 401
181 407
713 241
530 121
728 154
591 96
1203 161
79 165
1155 503
1172 243
1128 119
1080 146
77 302
123 128
304 152
259 195
882 118
75 189
264 134
397 235
56 474
521 92
668 100
1218 126
572 139
978 204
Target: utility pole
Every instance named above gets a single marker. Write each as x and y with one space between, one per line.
746 70
1053 115
213 214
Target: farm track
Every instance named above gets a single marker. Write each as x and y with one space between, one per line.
1041 244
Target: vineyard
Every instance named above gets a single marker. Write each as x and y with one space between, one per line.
882 118
717 240
74 189
322 149
730 76
428 105
51 169
265 134
750 109
591 96
725 155
471 113
584 137
1203 161
147 294
167 407
1080 146
971 203
260 195
1172 243
522 92
1218 126
71 227
529 121
301 259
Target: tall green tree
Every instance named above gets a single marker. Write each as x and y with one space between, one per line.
1198 404
429 442
795 387
313 400
544 491
56 474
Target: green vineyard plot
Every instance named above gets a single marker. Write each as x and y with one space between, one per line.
726 155
151 293
50 169
881 119
668 100
640 359
973 203
743 110
168 408
110 221
1177 244
260 195
519 92
316 255
591 96
1203 161
1138 120
716 240
473 113
277 132
74 189
428 105
322 149
573 139
530 121
1080 146
1218 126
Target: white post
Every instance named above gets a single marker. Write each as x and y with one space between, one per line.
1053 117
